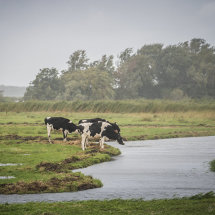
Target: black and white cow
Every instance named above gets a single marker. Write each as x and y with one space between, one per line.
60 123
100 129
114 125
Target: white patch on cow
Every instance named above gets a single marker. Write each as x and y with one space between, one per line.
48 117
49 128
104 125
70 121
65 133
83 141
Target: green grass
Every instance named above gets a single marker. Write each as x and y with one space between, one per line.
19 144
184 206
134 126
42 163
212 165
25 133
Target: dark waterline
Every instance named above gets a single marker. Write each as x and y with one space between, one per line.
151 169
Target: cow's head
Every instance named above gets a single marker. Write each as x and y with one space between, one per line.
120 140
72 127
115 128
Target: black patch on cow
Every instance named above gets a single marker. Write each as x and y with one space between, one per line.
71 127
110 133
115 127
61 123
81 128
92 120
95 128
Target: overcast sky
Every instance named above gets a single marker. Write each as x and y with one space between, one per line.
36 34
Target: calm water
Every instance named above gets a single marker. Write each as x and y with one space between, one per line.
146 169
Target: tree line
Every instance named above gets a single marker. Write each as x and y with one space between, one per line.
185 70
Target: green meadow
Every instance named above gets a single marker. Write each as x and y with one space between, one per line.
196 205
134 126
43 167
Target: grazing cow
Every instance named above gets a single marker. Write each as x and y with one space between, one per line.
59 123
103 130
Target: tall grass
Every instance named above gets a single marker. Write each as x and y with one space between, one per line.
122 106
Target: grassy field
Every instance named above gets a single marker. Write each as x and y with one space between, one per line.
23 139
197 205
43 167
134 126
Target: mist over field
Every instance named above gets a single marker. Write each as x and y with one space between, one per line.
92 50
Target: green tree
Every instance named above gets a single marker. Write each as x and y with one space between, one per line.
89 84
78 61
202 71
46 86
136 73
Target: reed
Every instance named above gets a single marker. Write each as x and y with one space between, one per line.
110 106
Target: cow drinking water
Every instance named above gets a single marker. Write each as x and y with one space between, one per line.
100 129
59 123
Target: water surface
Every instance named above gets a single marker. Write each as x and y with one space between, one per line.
146 169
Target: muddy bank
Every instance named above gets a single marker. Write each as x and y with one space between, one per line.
72 182
64 180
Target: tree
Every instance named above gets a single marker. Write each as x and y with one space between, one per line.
136 73
78 61
89 84
174 63
46 86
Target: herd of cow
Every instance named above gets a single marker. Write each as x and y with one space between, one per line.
98 128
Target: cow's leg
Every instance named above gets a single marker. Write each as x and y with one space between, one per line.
65 132
49 128
83 141
102 140
86 142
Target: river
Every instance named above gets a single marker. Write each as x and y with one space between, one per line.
152 169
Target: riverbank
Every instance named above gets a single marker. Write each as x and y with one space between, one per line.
34 166
196 205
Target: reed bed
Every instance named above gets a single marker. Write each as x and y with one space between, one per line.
110 106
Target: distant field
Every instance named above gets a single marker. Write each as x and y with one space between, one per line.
134 126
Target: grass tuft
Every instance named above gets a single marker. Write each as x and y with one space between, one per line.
212 165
